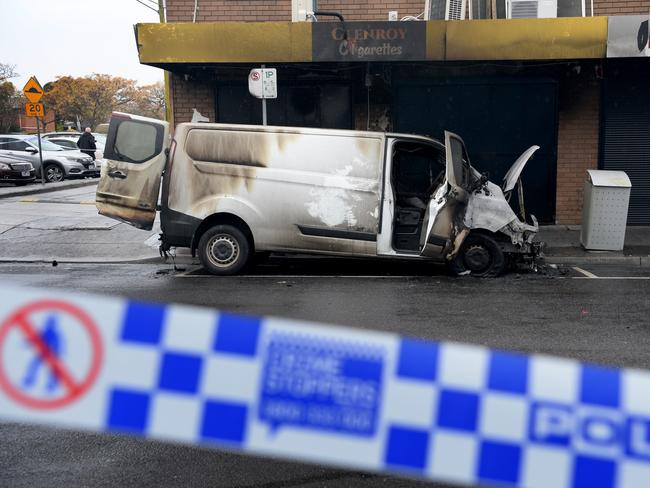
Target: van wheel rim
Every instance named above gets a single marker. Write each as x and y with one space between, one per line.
54 174
477 258
223 251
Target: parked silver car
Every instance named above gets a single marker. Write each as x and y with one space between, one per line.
57 162
69 143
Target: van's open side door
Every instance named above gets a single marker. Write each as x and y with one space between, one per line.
135 156
443 219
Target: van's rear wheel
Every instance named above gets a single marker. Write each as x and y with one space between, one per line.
224 250
480 255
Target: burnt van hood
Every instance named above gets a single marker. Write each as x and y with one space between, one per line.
512 176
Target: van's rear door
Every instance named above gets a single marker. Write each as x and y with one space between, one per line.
135 156
443 219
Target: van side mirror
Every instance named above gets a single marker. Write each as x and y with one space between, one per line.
32 150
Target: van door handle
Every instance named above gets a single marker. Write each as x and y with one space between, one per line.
117 174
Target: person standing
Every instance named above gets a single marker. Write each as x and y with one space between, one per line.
86 143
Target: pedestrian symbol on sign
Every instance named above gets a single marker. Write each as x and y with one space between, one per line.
50 354
50 337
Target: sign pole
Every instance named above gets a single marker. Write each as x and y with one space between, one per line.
263 100
33 91
40 151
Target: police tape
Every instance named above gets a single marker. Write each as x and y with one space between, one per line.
325 394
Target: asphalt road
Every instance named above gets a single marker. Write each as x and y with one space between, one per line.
598 313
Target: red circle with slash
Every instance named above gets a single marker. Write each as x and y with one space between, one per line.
74 388
255 75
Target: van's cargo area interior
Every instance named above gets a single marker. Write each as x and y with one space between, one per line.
417 171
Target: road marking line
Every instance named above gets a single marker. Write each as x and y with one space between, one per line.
611 278
57 202
584 272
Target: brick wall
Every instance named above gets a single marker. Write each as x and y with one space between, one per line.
372 9
577 145
187 95
621 7
229 10
280 10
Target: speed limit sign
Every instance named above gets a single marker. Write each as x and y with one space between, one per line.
34 110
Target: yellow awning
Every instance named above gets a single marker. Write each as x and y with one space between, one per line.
299 42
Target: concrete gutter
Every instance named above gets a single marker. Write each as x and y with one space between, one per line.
10 192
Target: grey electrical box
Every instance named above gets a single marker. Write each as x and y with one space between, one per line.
604 210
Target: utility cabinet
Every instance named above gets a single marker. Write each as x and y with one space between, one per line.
604 210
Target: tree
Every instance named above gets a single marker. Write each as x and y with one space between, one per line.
9 99
9 102
149 101
91 98
7 71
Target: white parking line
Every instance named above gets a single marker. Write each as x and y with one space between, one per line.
153 241
584 272
186 275
611 277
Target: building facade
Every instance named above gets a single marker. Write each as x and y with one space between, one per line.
574 85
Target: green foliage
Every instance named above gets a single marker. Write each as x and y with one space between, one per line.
9 106
93 98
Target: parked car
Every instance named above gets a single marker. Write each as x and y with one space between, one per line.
57 162
69 140
70 144
16 170
229 191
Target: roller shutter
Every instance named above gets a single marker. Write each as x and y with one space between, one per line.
625 137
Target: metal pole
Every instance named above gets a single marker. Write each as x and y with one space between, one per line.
40 151
166 74
263 111
263 98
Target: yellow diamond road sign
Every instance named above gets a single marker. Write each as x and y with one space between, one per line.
33 90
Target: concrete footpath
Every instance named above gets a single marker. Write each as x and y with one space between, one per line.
60 223
563 246
10 191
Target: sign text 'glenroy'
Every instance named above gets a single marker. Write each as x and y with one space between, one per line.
368 41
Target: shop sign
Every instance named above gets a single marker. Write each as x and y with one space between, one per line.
628 36
368 41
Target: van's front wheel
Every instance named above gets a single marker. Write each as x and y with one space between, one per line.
480 255
224 250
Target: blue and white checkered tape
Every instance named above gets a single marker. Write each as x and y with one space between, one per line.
339 396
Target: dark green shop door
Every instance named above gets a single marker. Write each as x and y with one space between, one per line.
497 121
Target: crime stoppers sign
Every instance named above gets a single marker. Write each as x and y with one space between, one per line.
50 354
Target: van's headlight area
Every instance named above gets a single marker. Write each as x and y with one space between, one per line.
4 166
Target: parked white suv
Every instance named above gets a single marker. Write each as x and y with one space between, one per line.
57 162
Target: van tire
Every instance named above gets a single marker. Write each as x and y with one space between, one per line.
224 250
479 254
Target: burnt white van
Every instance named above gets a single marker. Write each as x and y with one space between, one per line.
230 191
